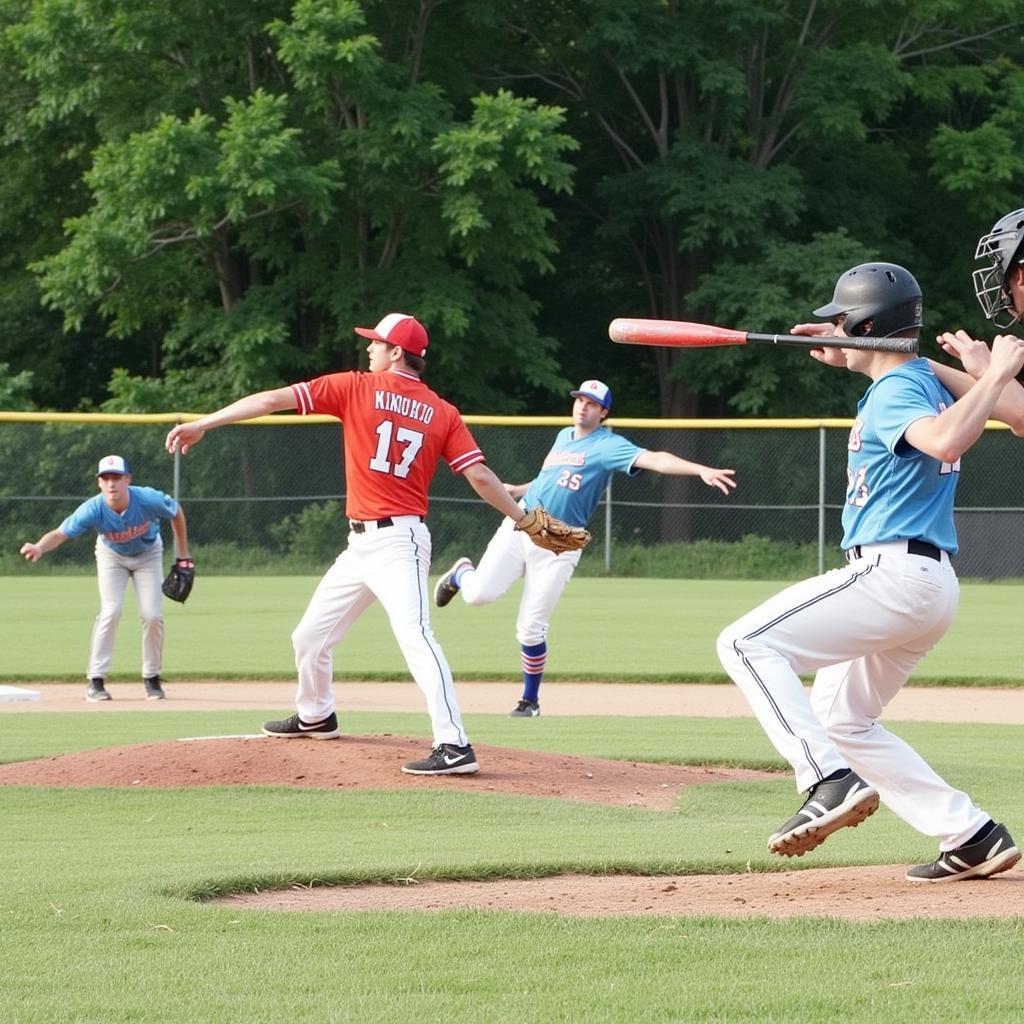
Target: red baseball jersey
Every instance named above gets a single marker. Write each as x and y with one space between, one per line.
396 429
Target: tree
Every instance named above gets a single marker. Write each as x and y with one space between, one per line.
720 135
267 174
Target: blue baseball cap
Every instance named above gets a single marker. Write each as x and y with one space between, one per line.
596 391
113 465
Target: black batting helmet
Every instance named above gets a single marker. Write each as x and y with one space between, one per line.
1000 249
880 297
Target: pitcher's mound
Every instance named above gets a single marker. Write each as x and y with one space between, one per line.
366 762
374 762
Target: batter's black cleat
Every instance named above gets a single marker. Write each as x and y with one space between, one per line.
986 853
445 759
525 709
154 690
832 804
294 727
97 691
445 589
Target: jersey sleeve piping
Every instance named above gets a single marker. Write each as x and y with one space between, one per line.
463 462
303 398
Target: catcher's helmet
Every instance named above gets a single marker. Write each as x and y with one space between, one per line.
1001 250
880 297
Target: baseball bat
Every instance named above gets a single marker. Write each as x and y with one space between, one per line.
683 334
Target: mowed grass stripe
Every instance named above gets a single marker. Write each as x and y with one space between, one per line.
603 629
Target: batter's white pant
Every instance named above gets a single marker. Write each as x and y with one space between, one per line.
388 564
862 629
112 574
512 554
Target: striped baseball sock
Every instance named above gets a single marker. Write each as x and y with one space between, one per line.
534 657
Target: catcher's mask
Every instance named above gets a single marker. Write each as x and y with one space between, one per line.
1000 250
881 297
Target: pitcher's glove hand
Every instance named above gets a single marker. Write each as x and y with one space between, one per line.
552 534
177 584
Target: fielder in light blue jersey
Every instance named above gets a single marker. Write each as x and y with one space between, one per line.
569 485
862 629
128 547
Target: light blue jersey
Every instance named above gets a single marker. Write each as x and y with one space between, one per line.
576 471
132 532
896 492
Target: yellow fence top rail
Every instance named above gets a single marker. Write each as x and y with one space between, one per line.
287 420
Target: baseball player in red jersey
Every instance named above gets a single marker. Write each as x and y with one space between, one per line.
395 430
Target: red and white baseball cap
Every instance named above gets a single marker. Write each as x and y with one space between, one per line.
399 329
596 391
113 465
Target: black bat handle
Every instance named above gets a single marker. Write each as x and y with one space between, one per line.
907 346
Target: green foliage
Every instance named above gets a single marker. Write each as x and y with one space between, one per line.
15 388
314 535
267 175
227 190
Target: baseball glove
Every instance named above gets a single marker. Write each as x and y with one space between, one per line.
552 534
178 582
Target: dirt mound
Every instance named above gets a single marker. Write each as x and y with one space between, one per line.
374 762
852 894
364 762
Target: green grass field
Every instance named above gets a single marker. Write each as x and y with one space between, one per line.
100 919
603 629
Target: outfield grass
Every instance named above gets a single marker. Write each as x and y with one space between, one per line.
99 919
603 629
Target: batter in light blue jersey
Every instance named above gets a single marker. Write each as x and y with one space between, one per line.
896 492
569 485
862 629
128 547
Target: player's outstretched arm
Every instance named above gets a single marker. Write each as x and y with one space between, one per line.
672 465
490 488
262 403
48 541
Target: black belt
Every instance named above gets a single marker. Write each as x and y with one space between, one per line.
914 547
358 526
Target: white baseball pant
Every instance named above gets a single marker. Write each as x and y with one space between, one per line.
112 574
388 564
509 555
861 629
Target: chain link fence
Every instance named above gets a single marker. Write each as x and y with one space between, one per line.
269 496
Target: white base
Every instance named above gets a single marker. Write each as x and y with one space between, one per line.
17 693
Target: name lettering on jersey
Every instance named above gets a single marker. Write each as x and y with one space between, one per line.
854 444
120 536
565 458
389 401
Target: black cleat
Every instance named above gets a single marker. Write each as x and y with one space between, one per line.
97 691
445 759
525 709
154 690
829 806
291 728
445 589
993 852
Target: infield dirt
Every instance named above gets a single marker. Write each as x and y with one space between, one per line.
859 894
